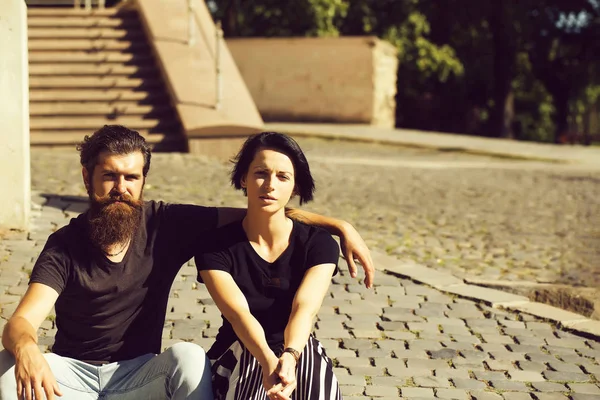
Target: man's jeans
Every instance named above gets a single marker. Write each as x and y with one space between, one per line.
181 372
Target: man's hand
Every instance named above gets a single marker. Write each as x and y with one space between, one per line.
355 248
33 375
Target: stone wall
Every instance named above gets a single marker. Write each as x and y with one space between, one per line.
345 80
15 178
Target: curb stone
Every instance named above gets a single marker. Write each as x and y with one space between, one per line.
449 283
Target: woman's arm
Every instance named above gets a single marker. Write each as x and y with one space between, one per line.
306 305
233 304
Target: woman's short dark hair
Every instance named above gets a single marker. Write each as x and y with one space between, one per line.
305 185
114 139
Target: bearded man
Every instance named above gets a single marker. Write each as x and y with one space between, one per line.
108 274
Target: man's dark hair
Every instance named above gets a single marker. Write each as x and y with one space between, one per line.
114 139
305 185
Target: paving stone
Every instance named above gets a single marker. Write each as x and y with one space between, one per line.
509 385
452 394
549 387
352 390
391 345
379 391
516 396
470 339
568 343
413 392
550 396
468 384
520 348
423 344
540 358
375 353
497 338
483 375
358 344
393 326
427 364
368 371
431 382
584 388
560 376
500 365
444 353
483 395
532 366
414 354
560 351
390 363
350 362
584 396
564 367
452 373
474 355
493 347
526 376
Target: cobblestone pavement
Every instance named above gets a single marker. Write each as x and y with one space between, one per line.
471 215
400 340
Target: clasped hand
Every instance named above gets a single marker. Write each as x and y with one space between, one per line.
280 381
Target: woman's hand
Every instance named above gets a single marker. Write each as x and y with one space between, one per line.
286 373
271 381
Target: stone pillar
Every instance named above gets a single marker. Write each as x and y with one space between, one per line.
15 173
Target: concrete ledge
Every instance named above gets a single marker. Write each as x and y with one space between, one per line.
587 156
190 74
448 283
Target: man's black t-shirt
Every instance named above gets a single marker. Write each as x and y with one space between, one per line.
116 311
268 287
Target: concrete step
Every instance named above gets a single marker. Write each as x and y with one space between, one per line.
105 83
89 123
85 33
74 137
86 57
114 96
87 45
82 22
40 124
90 69
77 12
102 109
160 141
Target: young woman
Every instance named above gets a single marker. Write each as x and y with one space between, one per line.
268 275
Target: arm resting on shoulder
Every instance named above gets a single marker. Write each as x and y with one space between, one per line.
233 304
353 245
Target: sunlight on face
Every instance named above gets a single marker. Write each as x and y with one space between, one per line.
118 174
270 180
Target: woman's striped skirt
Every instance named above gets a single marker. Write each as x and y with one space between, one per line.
236 375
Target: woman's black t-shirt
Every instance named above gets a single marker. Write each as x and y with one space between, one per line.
269 287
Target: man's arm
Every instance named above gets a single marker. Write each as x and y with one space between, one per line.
32 372
353 245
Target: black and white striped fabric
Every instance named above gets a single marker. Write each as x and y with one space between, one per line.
238 376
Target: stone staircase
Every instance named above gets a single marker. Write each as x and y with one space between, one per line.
90 68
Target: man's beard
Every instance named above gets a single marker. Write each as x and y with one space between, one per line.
113 219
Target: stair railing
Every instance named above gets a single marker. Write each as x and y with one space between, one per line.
88 4
193 28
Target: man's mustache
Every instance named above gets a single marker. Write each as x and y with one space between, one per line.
114 198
